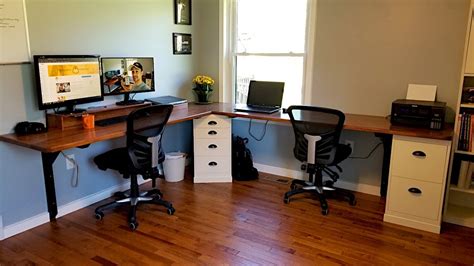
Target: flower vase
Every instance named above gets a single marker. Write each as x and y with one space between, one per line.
203 93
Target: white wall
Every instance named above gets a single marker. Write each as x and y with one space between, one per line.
367 51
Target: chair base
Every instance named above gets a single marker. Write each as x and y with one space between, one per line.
153 196
300 186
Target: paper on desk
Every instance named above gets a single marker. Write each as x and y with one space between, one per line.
421 92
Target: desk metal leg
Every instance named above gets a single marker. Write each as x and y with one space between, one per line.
48 160
387 150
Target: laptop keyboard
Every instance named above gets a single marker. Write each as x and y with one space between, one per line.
261 108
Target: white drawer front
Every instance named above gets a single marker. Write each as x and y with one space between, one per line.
418 160
213 121
212 133
212 147
212 165
425 204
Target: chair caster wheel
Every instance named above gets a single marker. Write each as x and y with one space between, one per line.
133 226
325 211
286 199
99 215
155 193
171 210
292 186
352 201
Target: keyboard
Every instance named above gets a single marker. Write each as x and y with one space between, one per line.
129 102
111 121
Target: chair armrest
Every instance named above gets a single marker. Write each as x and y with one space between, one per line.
311 154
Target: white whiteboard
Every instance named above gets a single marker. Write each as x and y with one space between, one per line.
14 44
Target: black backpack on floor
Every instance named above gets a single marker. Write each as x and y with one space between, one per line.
242 163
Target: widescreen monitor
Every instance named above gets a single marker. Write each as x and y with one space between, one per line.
127 75
67 80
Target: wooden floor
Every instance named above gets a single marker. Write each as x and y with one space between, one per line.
238 223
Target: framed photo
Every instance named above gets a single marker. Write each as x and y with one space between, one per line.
182 12
182 43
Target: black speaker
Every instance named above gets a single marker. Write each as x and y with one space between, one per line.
26 127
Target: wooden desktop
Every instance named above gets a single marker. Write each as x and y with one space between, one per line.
68 135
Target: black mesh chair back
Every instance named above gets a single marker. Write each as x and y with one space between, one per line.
324 122
144 130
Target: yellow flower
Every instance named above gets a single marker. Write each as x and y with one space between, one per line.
201 79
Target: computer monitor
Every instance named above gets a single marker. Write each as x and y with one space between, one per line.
67 80
126 75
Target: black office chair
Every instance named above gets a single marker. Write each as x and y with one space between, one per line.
317 131
145 127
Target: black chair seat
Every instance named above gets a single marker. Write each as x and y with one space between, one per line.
116 159
342 152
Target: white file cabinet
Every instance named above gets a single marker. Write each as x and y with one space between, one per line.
212 149
418 171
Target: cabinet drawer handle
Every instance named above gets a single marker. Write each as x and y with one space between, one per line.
212 132
212 146
414 190
212 123
419 154
212 164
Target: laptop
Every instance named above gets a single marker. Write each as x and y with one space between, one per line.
263 97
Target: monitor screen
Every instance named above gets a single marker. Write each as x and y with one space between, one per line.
67 80
124 75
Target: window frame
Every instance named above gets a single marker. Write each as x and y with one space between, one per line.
228 54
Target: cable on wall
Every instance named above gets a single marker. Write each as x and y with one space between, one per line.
370 153
75 176
263 134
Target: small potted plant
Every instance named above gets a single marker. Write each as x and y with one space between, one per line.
203 88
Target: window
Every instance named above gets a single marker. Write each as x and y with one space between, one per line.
268 43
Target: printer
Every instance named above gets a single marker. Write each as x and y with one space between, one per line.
425 114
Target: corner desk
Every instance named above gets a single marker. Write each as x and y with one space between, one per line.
405 142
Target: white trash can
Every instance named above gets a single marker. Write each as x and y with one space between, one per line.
173 166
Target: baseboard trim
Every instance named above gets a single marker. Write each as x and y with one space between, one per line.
363 188
42 218
22 226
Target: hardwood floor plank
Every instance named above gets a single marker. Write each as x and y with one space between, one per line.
240 223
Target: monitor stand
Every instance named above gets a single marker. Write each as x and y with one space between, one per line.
128 101
70 109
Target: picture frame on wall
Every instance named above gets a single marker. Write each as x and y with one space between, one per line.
182 43
182 12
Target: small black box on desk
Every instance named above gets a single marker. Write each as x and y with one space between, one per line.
415 113
178 103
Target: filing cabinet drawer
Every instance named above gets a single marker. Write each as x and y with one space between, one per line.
403 197
213 121
212 133
211 165
212 147
419 160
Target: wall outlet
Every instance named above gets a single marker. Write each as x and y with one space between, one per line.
69 164
350 143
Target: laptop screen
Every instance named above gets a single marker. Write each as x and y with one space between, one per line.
265 93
